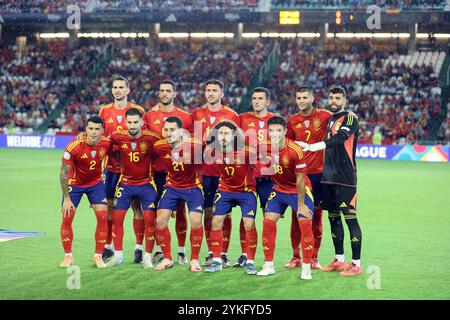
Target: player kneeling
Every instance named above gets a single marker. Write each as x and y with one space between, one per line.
81 173
292 188
178 153
237 186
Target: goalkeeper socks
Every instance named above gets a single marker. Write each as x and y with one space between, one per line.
67 231
216 242
118 218
307 240
139 229
337 232
269 235
150 227
226 230
317 230
101 230
251 238
295 235
242 236
163 239
181 224
355 235
196 242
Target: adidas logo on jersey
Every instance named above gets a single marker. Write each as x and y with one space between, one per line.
157 122
251 124
167 156
124 146
84 156
110 120
203 120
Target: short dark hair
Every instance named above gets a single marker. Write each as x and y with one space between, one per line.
277 120
95 119
305 88
227 124
262 89
134 112
175 120
122 78
216 82
167 81
338 89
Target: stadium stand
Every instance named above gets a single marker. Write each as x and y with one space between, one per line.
359 4
397 94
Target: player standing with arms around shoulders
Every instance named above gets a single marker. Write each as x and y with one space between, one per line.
237 186
205 118
254 125
155 120
113 115
292 188
178 153
339 181
136 181
309 125
81 173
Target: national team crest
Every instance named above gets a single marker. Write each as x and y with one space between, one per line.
93 153
212 119
102 153
133 145
307 123
143 147
285 161
119 119
316 123
261 124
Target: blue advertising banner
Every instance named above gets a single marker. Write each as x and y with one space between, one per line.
363 151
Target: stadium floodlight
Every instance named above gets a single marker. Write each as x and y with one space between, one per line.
219 35
382 35
442 35
308 35
421 35
288 35
404 35
345 35
330 35
251 35
198 35
363 35
54 35
270 35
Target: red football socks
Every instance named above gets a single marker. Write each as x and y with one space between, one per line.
196 242
295 235
269 236
226 229
118 216
242 236
101 230
317 231
251 239
163 239
67 232
139 229
181 224
216 242
307 240
150 227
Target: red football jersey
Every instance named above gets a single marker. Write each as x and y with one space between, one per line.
236 175
115 121
135 155
286 163
207 119
254 126
180 163
155 122
310 129
86 161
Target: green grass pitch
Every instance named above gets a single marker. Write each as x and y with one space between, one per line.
404 212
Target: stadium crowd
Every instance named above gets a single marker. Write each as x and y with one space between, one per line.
35 79
47 6
359 4
400 101
190 64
